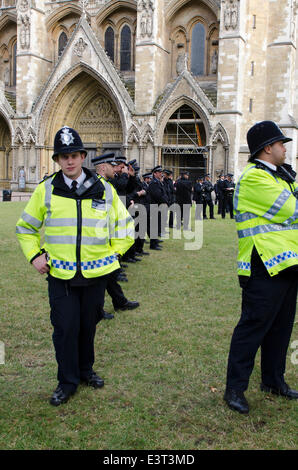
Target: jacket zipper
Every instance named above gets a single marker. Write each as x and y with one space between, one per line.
79 234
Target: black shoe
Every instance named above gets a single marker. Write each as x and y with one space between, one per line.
155 248
236 400
142 253
107 316
94 381
131 260
123 265
60 396
129 305
285 391
137 259
122 279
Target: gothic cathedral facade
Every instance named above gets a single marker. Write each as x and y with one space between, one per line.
170 82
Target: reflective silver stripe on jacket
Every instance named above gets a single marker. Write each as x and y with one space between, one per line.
237 189
245 216
277 205
72 222
71 240
25 230
280 258
31 220
250 232
48 196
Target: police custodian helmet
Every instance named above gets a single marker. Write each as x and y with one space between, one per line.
67 140
264 133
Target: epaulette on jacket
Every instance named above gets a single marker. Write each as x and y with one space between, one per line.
47 177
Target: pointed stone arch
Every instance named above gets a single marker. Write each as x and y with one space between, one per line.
84 101
219 151
6 160
133 135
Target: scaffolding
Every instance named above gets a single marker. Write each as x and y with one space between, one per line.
184 144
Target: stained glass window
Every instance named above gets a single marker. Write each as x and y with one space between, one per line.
198 49
62 43
109 42
125 49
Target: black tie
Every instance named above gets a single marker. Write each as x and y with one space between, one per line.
74 185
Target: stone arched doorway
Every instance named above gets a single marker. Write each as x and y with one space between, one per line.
86 106
5 154
184 143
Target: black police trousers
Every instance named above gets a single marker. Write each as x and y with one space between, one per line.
75 311
268 312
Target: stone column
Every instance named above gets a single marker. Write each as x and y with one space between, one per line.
151 54
281 80
231 65
33 59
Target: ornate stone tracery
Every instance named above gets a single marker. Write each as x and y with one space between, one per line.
231 14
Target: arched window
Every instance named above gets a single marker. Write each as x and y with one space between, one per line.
198 40
125 49
109 43
62 43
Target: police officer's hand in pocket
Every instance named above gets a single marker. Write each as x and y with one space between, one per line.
41 264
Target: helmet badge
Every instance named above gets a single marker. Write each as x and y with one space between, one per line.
66 137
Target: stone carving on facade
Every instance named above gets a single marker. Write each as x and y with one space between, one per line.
231 14
80 47
214 62
100 114
23 5
181 63
25 32
146 8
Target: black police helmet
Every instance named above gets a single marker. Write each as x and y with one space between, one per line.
67 140
264 133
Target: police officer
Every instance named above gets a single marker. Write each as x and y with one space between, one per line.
159 201
207 189
105 166
184 198
266 214
169 186
228 190
81 216
198 197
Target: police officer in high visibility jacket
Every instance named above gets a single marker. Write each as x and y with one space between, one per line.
86 227
266 212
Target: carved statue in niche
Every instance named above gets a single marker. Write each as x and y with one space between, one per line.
181 63
231 14
146 7
214 62
23 5
79 47
6 77
25 32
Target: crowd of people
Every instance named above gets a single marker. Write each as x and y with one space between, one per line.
157 189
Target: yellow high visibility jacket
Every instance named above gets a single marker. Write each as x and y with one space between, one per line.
266 213
83 233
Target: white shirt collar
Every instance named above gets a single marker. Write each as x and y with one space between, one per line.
270 165
79 180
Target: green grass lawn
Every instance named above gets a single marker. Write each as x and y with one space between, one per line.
164 364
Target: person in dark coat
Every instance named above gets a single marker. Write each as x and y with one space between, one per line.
158 196
229 188
207 189
220 194
169 185
184 198
198 198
